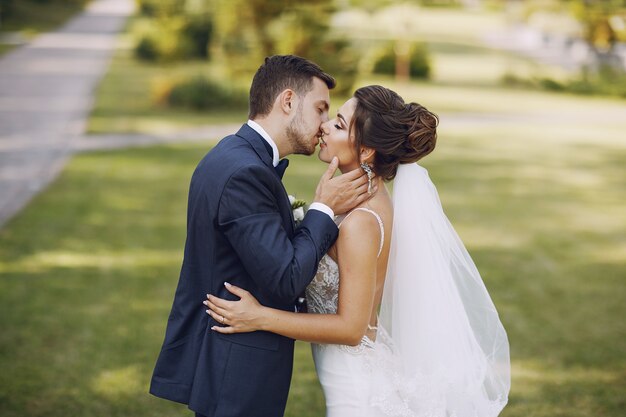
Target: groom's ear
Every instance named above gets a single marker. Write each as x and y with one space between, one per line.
286 100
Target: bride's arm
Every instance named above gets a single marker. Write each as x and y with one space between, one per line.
357 248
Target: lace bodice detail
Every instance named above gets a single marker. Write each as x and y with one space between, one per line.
323 292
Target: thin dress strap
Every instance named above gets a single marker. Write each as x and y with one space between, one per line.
380 223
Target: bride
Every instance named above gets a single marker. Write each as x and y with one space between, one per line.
401 322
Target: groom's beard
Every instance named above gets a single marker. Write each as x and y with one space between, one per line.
300 145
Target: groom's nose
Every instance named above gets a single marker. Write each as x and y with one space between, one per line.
324 128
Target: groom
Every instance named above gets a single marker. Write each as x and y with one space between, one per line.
240 229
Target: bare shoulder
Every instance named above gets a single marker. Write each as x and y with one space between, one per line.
361 227
357 245
359 232
359 221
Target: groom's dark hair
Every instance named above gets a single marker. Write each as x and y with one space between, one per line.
278 73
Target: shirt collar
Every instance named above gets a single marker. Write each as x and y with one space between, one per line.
257 128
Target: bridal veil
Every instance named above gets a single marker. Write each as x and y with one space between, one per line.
441 350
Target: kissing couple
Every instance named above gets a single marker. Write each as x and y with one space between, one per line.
398 316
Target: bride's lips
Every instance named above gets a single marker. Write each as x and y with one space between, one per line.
322 142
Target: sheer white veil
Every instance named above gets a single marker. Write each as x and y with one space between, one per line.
441 350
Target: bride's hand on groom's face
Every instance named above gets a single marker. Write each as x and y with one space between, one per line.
235 316
344 192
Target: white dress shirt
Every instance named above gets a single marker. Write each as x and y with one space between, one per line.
275 157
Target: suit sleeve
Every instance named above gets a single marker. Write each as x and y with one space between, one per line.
249 217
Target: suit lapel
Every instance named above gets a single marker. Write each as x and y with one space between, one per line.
258 144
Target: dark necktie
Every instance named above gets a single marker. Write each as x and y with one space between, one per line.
281 167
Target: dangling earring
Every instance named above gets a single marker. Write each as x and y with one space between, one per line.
370 175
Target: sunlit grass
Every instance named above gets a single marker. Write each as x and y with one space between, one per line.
88 271
78 292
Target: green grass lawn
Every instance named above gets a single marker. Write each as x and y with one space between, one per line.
89 269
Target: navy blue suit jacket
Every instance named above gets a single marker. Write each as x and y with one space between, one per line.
240 229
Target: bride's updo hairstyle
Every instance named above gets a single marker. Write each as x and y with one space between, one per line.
399 132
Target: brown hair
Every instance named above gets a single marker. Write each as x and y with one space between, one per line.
400 133
278 73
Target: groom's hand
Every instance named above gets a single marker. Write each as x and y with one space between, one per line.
344 192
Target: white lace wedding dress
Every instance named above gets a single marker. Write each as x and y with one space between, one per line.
440 349
342 370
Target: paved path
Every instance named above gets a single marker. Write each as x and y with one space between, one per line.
45 96
125 140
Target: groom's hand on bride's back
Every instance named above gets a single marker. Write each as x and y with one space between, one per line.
343 192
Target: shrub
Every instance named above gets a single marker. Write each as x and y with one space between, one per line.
419 62
173 38
606 81
146 49
200 93
152 8
199 31
551 85
386 64
161 39
583 86
511 80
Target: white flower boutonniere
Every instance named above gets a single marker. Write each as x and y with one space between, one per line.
298 209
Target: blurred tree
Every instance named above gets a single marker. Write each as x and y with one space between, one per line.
600 24
249 30
596 19
262 14
173 29
160 8
418 61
